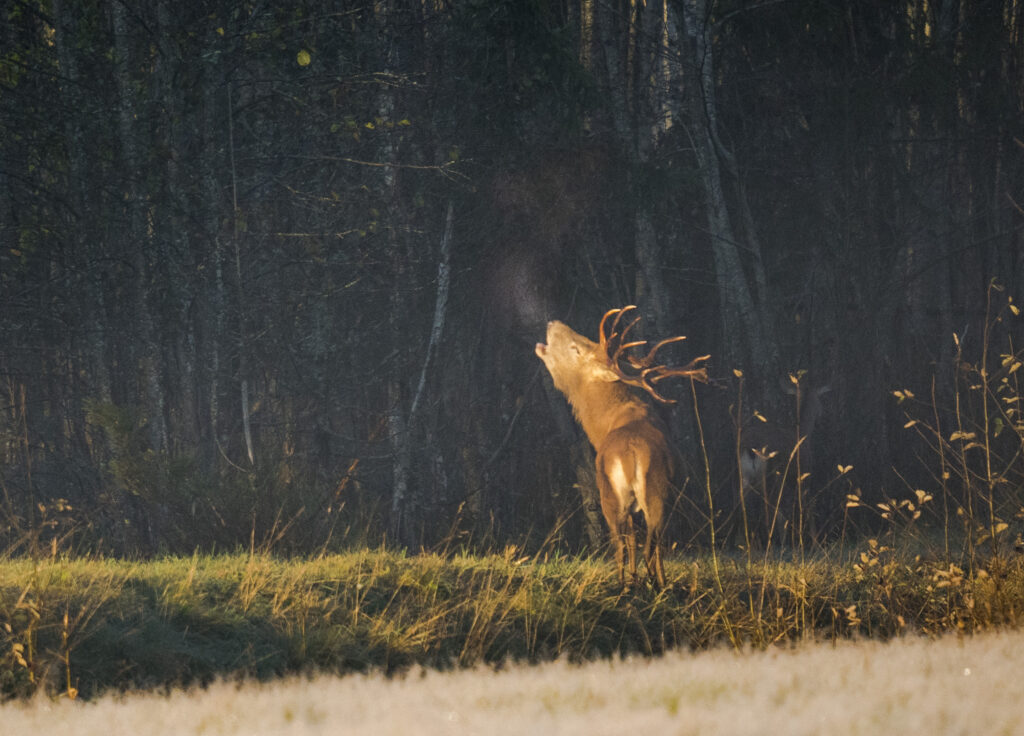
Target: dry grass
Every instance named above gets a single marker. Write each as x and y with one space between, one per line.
82 627
955 685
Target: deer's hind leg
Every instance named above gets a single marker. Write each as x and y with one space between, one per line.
620 525
652 496
653 511
652 547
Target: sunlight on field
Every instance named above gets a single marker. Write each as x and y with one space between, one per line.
952 686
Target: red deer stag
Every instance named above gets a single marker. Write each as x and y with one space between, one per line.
768 449
634 463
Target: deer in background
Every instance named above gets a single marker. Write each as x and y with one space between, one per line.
634 463
766 448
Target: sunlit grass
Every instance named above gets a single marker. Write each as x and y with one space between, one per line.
81 626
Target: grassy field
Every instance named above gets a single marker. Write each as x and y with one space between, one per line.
83 627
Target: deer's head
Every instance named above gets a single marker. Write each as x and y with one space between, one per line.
572 359
575 361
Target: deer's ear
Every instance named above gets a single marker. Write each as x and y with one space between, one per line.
602 372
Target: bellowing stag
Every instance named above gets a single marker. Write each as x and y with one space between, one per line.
634 462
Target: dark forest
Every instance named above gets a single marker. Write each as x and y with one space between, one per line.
273 273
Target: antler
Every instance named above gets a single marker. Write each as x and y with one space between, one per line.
613 346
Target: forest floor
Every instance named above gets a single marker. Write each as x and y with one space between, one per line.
80 628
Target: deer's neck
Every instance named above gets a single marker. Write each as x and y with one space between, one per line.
601 407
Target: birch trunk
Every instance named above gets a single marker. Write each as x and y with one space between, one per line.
215 298
400 426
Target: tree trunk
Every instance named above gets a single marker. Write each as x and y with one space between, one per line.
590 498
185 427
93 307
748 336
136 243
136 237
214 303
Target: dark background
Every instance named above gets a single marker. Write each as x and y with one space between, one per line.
231 313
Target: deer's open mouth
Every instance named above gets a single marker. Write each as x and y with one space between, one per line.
541 349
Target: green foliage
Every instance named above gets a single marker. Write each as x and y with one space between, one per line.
188 507
135 466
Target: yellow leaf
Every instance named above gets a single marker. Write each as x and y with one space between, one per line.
737 372
303 58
